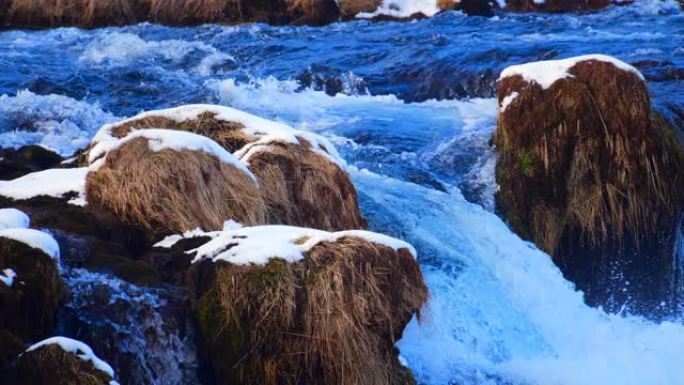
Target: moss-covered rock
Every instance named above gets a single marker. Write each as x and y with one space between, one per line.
590 174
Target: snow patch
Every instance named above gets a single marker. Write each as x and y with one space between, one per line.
545 73
267 131
171 240
34 238
163 139
13 219
7 277
78 348
55 182
257 245
507 101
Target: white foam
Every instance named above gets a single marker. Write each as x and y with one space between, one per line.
118 49
55 182
500 308
78 348
545 73
34 238
257 245
403 8
13 219
57 122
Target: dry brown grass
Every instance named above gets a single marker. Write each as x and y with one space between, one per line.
51 365
98 13
169 191
585 160
82 13
350 8
228 134
331 319
303 188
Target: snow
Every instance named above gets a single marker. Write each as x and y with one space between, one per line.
257 245
545 73
53 182
13 219
403 8
82 350
34 238
170 240
162 139
508 100
267 131
7 276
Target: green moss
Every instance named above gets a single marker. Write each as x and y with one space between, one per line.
274 272
526 164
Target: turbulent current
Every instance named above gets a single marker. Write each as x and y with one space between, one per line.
411 108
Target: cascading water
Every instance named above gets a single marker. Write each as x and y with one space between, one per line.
143 332
500 311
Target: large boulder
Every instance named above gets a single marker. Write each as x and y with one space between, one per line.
589 173
300 175
60 361
168 181
30 285
286 305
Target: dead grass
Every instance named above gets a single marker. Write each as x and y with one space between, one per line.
228 134
99 13
303 188
604 167
350 8
168 192
333 318
82 13
52 365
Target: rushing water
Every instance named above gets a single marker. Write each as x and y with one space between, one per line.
411 107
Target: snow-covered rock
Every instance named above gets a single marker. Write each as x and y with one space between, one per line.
13 219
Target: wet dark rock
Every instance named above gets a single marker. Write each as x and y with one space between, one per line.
15 163
28 308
